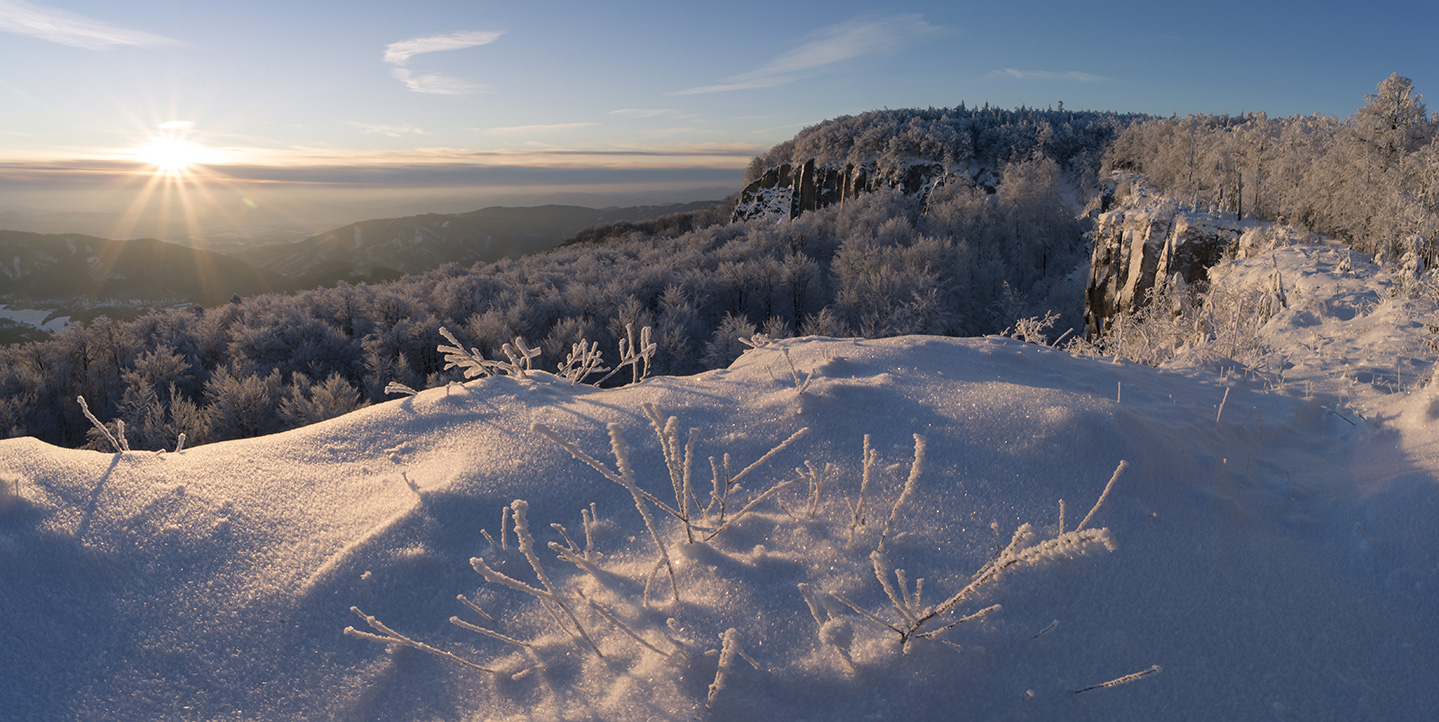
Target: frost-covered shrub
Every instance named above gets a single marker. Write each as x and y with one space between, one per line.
727 343
1218 323
306 402
243 406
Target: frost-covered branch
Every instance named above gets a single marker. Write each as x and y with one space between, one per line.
549 593
1022 551
390 636
635 355
120 447
583 360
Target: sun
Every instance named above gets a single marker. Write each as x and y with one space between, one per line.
171 156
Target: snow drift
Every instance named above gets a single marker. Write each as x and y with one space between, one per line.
1268 551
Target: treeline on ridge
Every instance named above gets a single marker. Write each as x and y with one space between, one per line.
1371 179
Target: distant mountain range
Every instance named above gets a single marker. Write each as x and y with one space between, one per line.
391 247
77 276
35 266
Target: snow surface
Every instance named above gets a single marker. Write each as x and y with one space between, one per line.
1275 552
43 320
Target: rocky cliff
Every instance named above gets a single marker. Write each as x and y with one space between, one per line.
785 191
1148 241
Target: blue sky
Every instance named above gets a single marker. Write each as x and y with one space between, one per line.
435 96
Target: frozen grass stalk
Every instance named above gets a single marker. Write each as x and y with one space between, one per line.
625 478
390 636
914 470
85 408
729 649
1126 679
1021 551
395 387
549 593
869 457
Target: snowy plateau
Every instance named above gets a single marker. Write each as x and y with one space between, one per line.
1265 548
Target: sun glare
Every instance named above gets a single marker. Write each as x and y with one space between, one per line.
171 156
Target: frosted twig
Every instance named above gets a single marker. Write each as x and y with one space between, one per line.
520 356
623 627
869 457
1103 495
595 464
914 470
1021 551
827 630
634 355
981 614
796 436
896 596
679 465
582 361
390 636
816 478
395 387
85 408
729 649
745 510
865 613
471 362
1046 630
527 547
625 478
462 624
724 483
120 432
807 593
1126 679
474 607
180 443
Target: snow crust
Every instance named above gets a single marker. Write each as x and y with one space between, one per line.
1274 545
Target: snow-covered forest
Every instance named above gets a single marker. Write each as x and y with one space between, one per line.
874 472
969 260
1371 179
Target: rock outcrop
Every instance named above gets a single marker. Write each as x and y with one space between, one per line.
1144 244
786 191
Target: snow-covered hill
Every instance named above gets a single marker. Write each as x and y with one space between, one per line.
1274 553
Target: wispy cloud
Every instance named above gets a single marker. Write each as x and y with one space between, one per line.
539 128
394 131
67 28
399 54
648 113
1073 75
825 47
434 83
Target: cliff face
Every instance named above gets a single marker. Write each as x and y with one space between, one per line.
1147 242
785 191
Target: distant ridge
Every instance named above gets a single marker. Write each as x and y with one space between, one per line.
71 265
390 247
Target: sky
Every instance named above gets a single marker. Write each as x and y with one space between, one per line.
169 117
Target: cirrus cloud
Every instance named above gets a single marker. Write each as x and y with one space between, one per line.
825 47
67 28
399 53
1074 75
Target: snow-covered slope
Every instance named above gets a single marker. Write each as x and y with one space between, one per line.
1274 551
